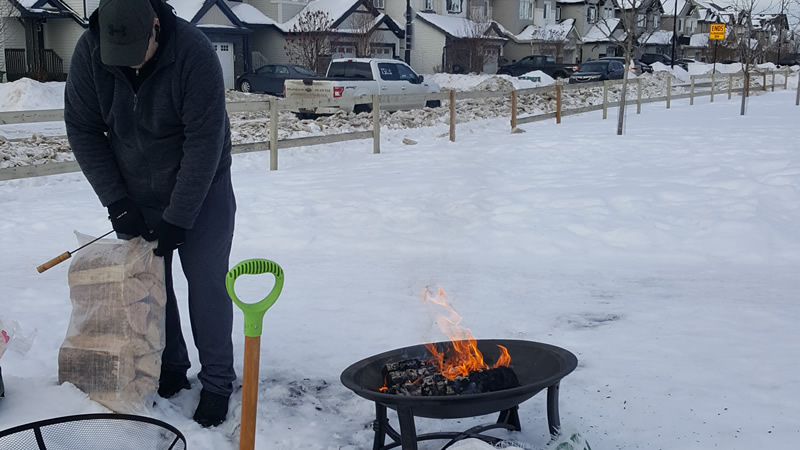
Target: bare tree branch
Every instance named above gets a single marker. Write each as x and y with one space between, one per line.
310 40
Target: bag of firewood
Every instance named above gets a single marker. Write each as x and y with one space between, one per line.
113 347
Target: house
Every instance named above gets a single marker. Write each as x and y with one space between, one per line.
451 35
536 28
593 21
641 19
38 37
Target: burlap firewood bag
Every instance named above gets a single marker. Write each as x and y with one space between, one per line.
112 350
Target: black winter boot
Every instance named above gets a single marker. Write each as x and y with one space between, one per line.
212 409
171 382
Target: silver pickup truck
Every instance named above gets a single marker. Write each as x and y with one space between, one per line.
350 78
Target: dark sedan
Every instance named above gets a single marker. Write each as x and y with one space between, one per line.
598 70
637 66
270 78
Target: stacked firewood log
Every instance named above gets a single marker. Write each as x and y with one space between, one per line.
113 346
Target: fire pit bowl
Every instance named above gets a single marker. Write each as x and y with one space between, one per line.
537 366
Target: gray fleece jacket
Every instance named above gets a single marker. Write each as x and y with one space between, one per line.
162 146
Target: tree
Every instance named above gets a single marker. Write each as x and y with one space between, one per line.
550 41
310 40
741 36
473 49
362 25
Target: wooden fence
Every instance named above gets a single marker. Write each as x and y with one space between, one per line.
699 86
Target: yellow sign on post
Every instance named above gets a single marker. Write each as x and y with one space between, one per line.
717 31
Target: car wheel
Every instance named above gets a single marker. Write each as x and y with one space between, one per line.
306 116
244 86
433 103
362 108
558 75
504 72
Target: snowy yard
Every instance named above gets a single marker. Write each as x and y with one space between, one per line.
666 259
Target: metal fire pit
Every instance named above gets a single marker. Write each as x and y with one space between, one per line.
537 365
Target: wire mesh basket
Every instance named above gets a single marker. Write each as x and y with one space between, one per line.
94 432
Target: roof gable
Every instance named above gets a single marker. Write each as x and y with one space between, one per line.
460 27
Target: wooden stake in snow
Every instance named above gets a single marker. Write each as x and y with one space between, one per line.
376 124
452 115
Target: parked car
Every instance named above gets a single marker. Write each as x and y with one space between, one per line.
789 62
686 61
598 70
637 66
360 78
544 63
270 78
651 58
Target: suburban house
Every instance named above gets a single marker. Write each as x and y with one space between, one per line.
38 36
594 25
536 28
451 35
641 18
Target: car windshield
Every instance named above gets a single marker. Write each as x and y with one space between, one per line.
596 66
304 71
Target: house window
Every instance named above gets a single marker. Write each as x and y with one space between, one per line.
526 9
680 25
428 5
378 3
656 21
546 9
608 13
641 20
454 6
558 13
591 14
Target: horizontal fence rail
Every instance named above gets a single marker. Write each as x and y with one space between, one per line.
698 86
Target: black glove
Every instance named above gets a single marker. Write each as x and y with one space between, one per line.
126 218
169 236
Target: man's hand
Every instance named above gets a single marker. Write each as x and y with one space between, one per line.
169 236
126 218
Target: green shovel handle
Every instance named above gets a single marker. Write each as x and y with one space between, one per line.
254 312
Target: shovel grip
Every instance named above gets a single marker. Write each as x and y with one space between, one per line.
254 312
53 262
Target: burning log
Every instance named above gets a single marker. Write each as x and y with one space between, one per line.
422 378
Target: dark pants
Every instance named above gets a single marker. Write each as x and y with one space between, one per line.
205 259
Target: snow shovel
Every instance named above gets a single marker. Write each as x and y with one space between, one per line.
253 318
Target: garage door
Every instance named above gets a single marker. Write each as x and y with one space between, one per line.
225 54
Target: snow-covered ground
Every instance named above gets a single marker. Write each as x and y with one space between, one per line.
666 259
19 146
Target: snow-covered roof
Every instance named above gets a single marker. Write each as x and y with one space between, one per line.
50 8
334 9
554 32
250 15
658 37
669 6
186 9
601 31
457 27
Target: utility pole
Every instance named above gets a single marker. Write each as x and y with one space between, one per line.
674 33
408 32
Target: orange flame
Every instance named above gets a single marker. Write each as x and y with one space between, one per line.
464 357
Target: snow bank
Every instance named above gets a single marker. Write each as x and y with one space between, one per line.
677 71
26 94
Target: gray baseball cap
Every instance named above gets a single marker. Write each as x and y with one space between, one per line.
125 30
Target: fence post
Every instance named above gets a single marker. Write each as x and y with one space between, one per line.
691 92
376 124
730 85
513 109
773 81
558 102
712 87
797 100
747 84
452 115
273 134
764 82
605 99
639 96
669 90
786 79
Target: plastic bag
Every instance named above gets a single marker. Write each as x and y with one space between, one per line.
113 346
12 338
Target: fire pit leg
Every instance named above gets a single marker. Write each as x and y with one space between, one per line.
408 431
379 425
510 416
553 420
